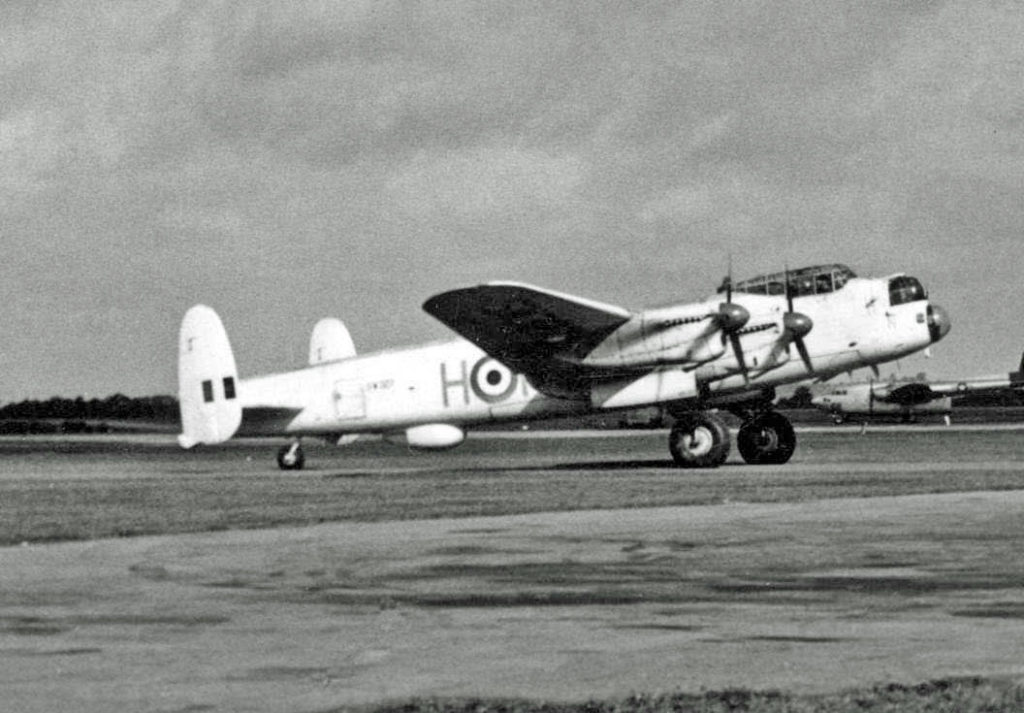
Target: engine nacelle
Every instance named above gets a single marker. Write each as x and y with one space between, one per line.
430 436
667 384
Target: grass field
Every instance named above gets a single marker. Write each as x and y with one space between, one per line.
73 489
968 695
745 588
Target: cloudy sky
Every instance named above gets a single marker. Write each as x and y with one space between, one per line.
282 162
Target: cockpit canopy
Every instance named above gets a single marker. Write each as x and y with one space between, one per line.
814 280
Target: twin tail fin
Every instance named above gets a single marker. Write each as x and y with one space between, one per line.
208 384
330 341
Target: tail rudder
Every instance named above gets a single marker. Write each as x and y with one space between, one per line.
1017 377
330 341
207 380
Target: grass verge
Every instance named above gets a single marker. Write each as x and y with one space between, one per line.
952 695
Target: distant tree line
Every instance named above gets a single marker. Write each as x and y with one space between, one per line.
81 415
1005 398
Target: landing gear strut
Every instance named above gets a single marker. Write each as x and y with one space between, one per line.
291 457
699 440
766 439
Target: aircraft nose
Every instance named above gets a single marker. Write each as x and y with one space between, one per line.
938 322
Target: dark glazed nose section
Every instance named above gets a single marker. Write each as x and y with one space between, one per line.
938 322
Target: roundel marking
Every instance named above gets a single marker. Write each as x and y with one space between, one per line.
492 381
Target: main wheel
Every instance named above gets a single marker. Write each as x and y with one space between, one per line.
291 457
699 440
766 439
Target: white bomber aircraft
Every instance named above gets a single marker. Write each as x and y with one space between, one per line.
531 353
908 399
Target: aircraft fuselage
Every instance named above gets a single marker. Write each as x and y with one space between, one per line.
658 356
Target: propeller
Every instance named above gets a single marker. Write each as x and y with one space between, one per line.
731 318
796 326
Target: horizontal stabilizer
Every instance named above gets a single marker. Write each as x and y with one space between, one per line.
207 380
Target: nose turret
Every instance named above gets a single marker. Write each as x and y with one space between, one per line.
938 322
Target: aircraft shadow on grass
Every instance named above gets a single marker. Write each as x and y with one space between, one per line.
599 466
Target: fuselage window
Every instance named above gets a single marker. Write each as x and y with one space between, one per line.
207 391
823 283
229 387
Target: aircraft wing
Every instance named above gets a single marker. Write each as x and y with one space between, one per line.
527 328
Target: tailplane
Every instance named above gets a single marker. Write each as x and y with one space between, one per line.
207 380
330 341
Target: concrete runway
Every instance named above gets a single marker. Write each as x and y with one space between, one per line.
800 596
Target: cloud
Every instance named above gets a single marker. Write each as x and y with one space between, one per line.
484 184
296 159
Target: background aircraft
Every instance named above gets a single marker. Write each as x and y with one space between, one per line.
907 400
532 353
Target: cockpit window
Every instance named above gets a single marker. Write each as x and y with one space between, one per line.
817 279
802 285
903 289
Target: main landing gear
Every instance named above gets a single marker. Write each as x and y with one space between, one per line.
701 440
766 439
291 457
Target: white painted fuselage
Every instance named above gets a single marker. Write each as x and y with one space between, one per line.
657 356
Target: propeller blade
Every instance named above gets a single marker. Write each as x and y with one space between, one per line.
730 319
737 349
802 348
789 291
728 287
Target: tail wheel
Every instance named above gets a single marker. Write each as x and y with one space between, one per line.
768 439
699 441
291 457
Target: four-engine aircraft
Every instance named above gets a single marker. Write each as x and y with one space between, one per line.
906 400
530 353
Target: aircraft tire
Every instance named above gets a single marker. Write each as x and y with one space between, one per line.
768 439
291 457
699 440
